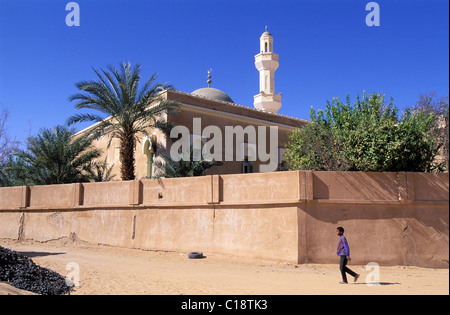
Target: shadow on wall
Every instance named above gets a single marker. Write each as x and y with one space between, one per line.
380 186
355 186
428 187
386 234
393 218
372 187
362 189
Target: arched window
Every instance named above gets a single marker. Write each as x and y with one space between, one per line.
266 47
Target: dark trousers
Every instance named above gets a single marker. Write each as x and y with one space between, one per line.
345 269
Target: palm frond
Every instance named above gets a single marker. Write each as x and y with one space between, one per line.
130 107
54 156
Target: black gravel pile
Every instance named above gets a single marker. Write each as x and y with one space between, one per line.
22 273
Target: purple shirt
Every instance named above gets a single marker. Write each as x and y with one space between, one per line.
343 249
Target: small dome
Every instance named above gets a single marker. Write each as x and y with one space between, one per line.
266 33
213 93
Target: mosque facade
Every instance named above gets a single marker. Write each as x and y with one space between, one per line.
242 136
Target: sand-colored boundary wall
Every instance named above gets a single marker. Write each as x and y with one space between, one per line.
389 218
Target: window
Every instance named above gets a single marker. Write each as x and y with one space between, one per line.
117 154
282 163
283 166
247 166
197 142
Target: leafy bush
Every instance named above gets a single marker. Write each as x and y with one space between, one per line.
366 136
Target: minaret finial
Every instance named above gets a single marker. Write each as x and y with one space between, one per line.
266 29
209 77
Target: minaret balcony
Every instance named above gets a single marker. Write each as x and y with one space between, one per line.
268 102
266 61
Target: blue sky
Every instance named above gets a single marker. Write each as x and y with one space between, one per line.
325 48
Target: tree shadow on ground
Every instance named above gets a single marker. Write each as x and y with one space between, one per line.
38 254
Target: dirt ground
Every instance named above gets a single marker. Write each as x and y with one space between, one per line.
107 270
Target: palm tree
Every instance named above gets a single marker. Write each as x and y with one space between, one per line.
54 156
101 172
12 172
128 110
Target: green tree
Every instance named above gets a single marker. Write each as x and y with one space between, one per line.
101 172
13 172
365 136
54 156
123 110
437 110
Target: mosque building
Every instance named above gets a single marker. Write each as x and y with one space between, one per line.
208 111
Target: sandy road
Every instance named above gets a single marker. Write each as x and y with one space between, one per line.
109 270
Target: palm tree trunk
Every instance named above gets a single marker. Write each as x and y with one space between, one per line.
127 146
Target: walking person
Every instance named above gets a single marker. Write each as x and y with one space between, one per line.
343 251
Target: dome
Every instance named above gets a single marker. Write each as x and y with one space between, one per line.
213 93
266 33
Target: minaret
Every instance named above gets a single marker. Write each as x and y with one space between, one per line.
267 62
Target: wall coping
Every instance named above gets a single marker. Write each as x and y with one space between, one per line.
306 187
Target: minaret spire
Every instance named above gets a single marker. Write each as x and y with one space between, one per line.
267 62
